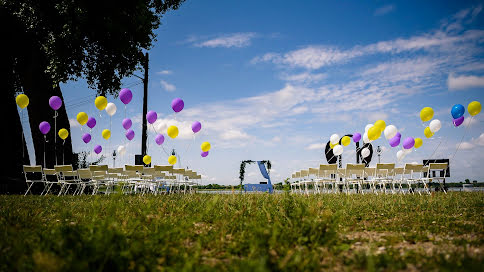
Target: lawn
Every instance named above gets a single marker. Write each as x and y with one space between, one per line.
255 232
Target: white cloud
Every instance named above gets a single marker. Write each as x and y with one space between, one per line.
317 146
229 40
73 123
167 86
384 10
305 77
164 72
480 140
456 83
276 139
234 134
465 146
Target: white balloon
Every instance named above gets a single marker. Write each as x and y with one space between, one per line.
121 150
368 127
111 108
390 131
435 125
366 140
334 139
407 151
365 152
400 155
337 150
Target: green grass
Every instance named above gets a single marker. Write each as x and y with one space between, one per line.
242 232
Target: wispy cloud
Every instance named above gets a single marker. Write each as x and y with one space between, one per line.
317 146
167 86
456 83
228 40
384 10
165 72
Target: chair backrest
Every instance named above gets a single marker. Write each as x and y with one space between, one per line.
84 173
437 166
198 177
304 173
165 168
328 167
130 174
148 171
293 175
138 168
355 169
385 169
298 174
313 171
99 174
63 168
49 172
94 167
33 169
399 171
180 171
414 167
370 171
118 170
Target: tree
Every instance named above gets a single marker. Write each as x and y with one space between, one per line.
51 42
468 181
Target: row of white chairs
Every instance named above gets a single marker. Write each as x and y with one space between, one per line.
383 178
100 178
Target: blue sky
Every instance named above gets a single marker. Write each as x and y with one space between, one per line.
274 79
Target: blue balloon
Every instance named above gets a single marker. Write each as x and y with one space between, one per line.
457 111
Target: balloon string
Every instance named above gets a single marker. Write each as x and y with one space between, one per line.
55 137
45 139
22 132
461 139
63 151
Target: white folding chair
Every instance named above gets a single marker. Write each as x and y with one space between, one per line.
327 176
33 174
67 177
354 175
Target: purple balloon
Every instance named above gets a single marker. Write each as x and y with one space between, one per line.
159 139
151 116
395 141
127 123
177 104
44 127
129 134
91 122
86 137
399 135
55 102
356 137
125 95
204 154
408 143
458 121
196 126
98 149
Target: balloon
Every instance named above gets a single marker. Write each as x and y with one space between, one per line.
365 139
374 133
334 139
407 151
44 127
473 108
111 109
380 124
101 102
106 134
91 122
428 133
205 146
390 131
22 101
332 145
457 111
121 150
98 149
172 131
398 135
129 134
172 160
125 95
408 143
204 154
55 102
127 123
63 133
426 114
86 137
345 140
395 141
196 126
367 127
356 137
151 116
159 139
457 122
418 142
338 150
400 155
365 152
435 125
147 159
177 105
82 118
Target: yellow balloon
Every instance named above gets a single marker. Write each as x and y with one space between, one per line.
426 114
172 131
374 133
106 134
428 133
101 102
63 133
332 145
147 159
418 142
474 108
22 101
346 140
205 146
82 118
172 160
380 124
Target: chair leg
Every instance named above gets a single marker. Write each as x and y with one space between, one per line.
28 189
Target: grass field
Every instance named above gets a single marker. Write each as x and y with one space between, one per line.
242 232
